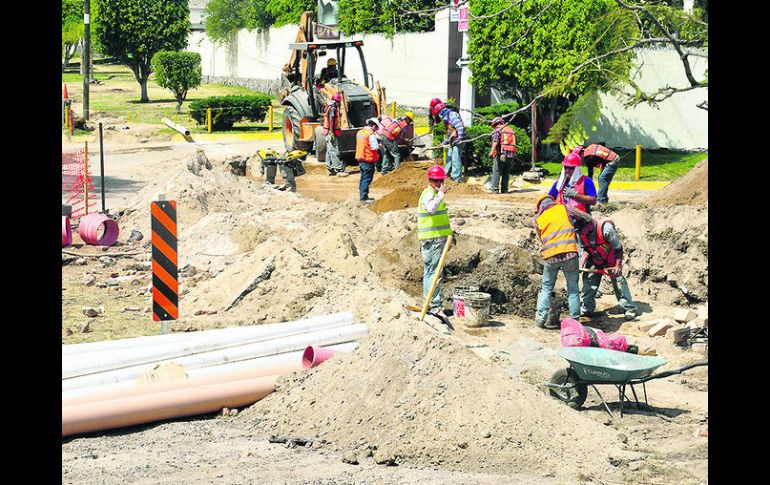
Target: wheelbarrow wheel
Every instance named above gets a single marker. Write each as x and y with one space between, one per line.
573 397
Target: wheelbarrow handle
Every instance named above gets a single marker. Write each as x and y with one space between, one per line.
672 372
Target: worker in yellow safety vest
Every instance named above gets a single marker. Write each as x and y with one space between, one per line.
560 252
432 231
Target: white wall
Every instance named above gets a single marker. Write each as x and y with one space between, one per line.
412 67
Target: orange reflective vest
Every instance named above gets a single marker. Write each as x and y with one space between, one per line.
332 120
596 150
556 232
393 129
364 152
601 252
507 139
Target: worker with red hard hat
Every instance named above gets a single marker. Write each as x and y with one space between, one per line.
331 129
432 231
573 188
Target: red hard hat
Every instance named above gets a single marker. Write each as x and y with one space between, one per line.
336 97
436 172
572 160
435 106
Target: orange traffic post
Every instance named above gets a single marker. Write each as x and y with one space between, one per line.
638 161
85 180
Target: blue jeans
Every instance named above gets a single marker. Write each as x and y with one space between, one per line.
572 275
454 164
431 250
591 283
605 177
367 174
391 157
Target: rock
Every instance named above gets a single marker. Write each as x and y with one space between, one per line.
677 334
487 435
132 309
701 348
384 457
696 324
66 332
632 328
672 279
135 236
198 161
101 284
112 282
85 327
462 445
660 328
147 309
646 326
622 457
684 315
80 262
225 412
107 261
233 412
701 432
350 458
90 311
89 280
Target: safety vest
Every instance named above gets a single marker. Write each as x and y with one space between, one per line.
556 232
507 139
364 152
433 225
595 150
580 189
328 120
393 129
602 253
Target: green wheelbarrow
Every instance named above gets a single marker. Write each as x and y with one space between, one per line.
591 366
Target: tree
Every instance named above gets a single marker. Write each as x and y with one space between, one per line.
71 28
132 31
177 71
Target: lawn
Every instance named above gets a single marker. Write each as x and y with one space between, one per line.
656 164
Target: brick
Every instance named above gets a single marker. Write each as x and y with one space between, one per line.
703 314
684 315
646 326
701 348
698 322
678 334
631 328
660 329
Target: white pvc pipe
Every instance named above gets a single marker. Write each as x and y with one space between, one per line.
211 335
181 129
256 363
105 360
259 349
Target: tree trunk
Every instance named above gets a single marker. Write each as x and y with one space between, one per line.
143 84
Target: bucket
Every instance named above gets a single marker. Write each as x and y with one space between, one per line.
458 299
477 309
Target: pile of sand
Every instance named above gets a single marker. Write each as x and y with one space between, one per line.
396 200
410 396
690 189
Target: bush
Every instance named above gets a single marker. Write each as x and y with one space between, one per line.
489 112
228 110
177 71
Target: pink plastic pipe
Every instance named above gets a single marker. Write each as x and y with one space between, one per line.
66 231
315 356
89 230
273 370
156 406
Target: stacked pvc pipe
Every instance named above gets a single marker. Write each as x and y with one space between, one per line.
66 231
89 230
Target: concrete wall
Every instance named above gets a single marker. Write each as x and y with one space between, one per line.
412 67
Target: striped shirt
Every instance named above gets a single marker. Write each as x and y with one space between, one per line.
453 120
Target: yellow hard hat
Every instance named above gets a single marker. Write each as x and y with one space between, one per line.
410 115
331 62
541 199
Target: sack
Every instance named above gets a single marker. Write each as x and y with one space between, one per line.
573 334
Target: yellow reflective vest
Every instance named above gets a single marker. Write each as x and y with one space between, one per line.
432 225
556 232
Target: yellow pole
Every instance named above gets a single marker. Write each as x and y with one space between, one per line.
393 109
436 277
67 116
208 118
176 115
85 180
638 161
270 109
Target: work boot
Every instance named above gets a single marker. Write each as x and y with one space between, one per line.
629 315
332 173
342 173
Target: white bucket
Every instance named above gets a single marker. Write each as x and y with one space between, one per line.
477 309
458 299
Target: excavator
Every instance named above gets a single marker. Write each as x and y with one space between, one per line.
304 98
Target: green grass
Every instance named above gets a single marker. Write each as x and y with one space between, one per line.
656 165
119 96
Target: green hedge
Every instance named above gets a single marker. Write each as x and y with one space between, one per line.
228 110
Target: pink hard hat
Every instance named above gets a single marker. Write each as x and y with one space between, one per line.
497 121
337 97
435 106
572 160
436 172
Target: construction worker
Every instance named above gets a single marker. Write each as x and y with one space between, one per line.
391 132
332 131
455 135
598 155
432 231
502 152
602 253
328 73
572 187
367 154
560 252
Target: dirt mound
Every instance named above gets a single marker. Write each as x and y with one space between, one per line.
396 200
408 175
410 396
690 189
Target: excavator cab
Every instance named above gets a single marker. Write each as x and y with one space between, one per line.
304 96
